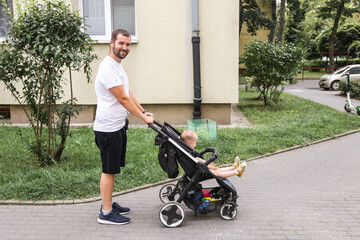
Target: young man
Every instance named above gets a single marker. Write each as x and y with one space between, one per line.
115 101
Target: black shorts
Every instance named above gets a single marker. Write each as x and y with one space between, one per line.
112 147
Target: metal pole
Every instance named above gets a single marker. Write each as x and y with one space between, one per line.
196 59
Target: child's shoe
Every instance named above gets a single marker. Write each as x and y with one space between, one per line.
236 162
241 169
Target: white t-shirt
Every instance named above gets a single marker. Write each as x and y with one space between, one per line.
110 114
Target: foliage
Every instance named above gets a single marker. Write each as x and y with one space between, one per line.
354 89
354 49
270 65
346 35
323 64
44 41
253 17
296 15
336 9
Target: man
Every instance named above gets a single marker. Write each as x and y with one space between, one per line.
115 101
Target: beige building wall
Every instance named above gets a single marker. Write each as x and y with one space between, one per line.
159 65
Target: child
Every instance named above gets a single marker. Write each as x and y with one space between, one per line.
190 138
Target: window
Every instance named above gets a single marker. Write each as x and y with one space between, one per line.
103 16
355 70
5 18
4 112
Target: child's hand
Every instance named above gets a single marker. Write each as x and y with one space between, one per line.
212 166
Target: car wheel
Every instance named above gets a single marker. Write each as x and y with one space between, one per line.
335 85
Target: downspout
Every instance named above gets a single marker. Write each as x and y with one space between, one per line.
196 58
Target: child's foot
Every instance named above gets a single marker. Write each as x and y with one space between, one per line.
236 162
241 169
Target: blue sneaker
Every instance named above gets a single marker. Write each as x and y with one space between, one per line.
119 209
113 218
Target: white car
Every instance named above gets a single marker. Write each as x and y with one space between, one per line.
332 81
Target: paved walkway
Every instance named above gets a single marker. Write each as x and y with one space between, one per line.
309 89
306 193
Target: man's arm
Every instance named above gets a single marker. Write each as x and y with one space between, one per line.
128 103
135 101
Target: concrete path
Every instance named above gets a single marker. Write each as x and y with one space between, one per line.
309 89
307 193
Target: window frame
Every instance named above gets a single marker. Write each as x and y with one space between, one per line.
108 7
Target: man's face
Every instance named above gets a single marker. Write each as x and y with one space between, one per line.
121 46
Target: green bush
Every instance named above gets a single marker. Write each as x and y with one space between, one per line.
268 66
323 64
44 41
354 89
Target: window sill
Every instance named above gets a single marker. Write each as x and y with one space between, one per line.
108 41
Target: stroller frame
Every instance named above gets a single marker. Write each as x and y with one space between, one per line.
188 188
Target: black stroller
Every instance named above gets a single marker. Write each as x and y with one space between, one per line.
188 189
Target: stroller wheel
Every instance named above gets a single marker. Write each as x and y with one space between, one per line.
165 193
171 214
228 211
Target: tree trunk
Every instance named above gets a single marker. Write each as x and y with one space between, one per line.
241 17
273 18
282 22
332 36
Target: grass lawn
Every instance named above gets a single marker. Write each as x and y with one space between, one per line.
309 75
295 122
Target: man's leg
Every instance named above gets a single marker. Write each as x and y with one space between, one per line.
106 190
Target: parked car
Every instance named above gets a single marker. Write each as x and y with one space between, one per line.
332 81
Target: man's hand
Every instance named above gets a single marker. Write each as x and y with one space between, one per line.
148 118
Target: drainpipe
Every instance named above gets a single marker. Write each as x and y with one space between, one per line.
196 59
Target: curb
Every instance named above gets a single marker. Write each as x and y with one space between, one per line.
96 199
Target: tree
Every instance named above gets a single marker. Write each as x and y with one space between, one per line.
44 41
273 19
336 9
346 35
268 66
252 16
281 22
296 15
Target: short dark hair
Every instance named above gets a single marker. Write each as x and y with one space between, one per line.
118 31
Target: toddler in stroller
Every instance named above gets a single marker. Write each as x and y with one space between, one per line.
188 189
191 138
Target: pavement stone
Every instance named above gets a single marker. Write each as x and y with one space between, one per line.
306 193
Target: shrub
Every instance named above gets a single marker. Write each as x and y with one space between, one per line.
354 89
44 41
268 66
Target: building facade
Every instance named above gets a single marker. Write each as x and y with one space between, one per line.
160 63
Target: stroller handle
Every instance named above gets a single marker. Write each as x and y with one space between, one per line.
214 156
156 126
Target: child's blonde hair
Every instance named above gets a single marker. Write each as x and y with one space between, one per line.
188 135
